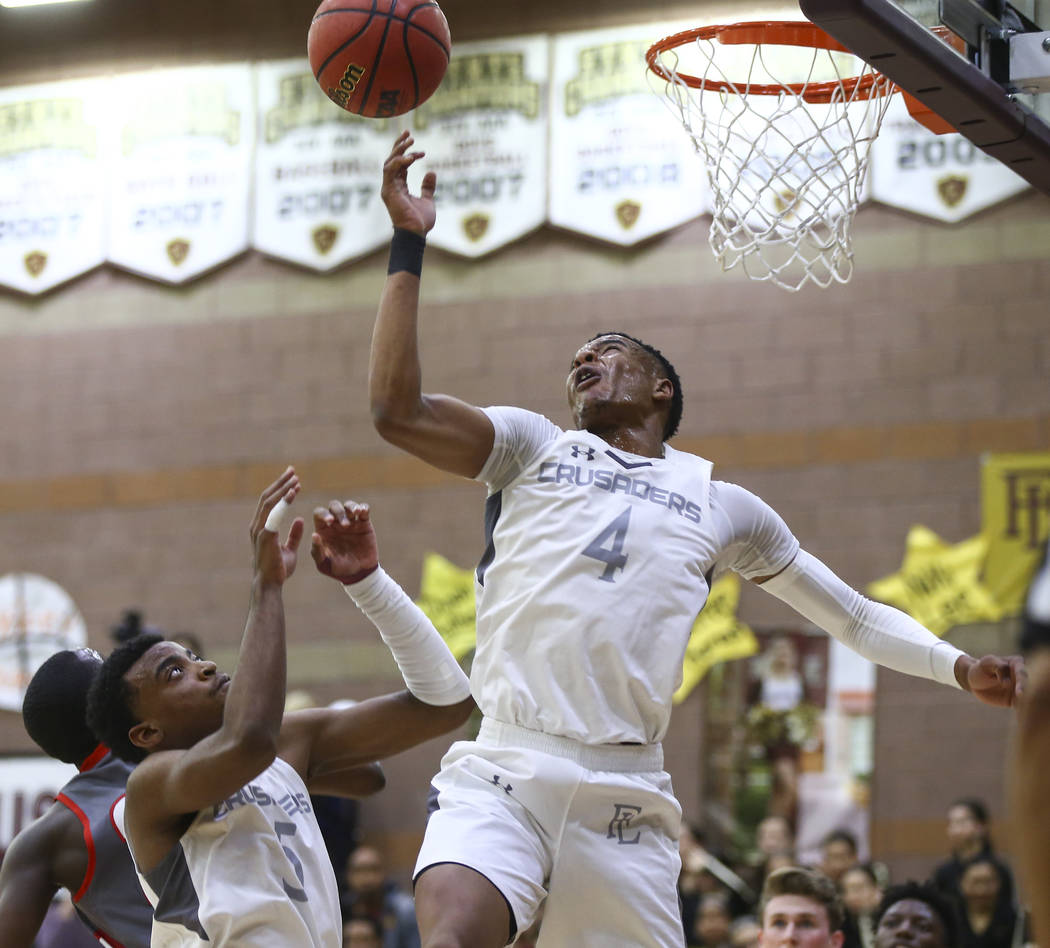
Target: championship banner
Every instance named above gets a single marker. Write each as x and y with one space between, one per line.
446 596
1015 522
718 635
318 170
37 619
52 191
180 147
485 134
945 177
938 584
622 167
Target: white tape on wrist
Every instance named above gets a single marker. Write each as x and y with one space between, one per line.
275 521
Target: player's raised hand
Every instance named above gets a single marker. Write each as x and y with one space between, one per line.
407 211
344 541
274 561
997 680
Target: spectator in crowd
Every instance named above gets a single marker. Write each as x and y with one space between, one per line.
774 836
986 922
968 836
370 894
745 932
711 928
359 932
800 909
861 895
838 852
915 915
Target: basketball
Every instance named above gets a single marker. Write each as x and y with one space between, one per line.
379 58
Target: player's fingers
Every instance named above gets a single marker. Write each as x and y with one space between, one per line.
338 511
356 511
429 184
274 491
320 555
295 535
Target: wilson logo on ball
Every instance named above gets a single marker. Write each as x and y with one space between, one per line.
341 93
379 58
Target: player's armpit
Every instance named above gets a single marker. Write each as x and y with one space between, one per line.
26 887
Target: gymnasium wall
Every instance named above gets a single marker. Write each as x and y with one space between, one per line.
140 421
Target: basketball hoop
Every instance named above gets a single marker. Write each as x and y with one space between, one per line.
785 136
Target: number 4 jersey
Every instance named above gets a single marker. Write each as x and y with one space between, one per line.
251 871
597 564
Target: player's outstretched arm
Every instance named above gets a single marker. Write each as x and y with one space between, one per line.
324 743
442 430
889 637
27 883
171 783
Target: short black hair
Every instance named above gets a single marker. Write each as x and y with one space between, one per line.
977 808
929 896
109 711
54 709
674 416
840 836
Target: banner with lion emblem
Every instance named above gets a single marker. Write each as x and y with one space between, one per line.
52 191
180 147
485 134
945 177
622 169
318 170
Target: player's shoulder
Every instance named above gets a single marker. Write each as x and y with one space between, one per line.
48 833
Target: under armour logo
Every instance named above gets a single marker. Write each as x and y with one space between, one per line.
621 824
587 453
505 787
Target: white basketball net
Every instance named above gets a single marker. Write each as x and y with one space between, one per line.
786 175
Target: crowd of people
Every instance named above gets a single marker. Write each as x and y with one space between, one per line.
972 891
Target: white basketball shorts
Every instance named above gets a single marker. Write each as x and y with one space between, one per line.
593 829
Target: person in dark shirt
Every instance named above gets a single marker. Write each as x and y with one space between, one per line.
968 836
986 922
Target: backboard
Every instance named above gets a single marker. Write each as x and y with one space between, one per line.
996 93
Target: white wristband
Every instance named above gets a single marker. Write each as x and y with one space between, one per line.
427 665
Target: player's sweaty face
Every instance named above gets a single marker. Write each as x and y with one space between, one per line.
607 369
182 693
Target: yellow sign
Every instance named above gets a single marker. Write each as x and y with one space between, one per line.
717 636
938 583
446 595
1015 512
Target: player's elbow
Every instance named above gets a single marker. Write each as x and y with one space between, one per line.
394 421
452 716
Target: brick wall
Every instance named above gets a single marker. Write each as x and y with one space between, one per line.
141 421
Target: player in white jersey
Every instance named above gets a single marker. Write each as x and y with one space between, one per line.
603 542
218 813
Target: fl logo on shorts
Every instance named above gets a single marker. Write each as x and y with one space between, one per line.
620 825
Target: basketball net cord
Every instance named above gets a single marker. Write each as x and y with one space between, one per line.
786 173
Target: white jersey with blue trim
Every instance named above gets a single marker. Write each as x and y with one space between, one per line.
598 563
251 872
